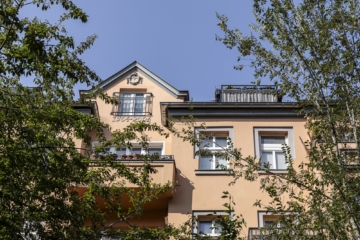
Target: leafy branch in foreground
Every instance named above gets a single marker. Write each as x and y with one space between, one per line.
49 186
311 51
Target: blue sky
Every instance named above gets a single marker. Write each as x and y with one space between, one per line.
174 39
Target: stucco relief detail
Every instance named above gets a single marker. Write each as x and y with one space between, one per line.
134 79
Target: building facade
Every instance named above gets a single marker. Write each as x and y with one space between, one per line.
253 119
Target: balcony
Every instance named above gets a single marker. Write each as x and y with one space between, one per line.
247 93
164 165
133 104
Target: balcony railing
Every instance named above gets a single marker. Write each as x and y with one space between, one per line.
123 235
135 157
133 104
267 234
247 93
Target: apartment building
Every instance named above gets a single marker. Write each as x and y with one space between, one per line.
254 118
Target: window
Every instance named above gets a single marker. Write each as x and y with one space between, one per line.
269 143
271 151
84 110
272 222
132 104
209 228
206 223
268 220
213 144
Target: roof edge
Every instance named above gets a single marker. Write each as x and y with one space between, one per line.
180 94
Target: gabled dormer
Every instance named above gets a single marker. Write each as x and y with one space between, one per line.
139 93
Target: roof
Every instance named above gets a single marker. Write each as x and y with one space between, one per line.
183 94
229 110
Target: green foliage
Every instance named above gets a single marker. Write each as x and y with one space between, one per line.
310 49
41 169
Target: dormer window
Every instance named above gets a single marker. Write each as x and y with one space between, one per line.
132 104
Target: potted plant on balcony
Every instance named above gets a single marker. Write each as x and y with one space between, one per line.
137 156
123 156
130 157
114 156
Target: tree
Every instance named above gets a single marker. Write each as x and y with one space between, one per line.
40 166
310 49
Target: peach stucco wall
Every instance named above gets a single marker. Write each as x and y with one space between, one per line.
160 94
201 192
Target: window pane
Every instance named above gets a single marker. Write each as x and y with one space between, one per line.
267 157
121 152
206 162
272 139
135 151
206 142
152 151
221 163
139 104
205 227
221 142
106 151
126 104
218 228
281 224
83 110
269 224
280 160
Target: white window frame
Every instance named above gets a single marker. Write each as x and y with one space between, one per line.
206 214
132 103
273 148
261 220
215 149
273 131
212 234
212 132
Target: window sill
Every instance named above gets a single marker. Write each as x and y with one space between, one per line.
274 171
211 172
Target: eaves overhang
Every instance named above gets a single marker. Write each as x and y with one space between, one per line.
229 110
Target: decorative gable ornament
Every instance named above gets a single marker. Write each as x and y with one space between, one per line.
134 79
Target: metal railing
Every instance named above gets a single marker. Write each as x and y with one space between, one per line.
247 93
132 104
123 235
269 234
258 234
138 157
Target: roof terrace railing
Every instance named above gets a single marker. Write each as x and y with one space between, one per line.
247 93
